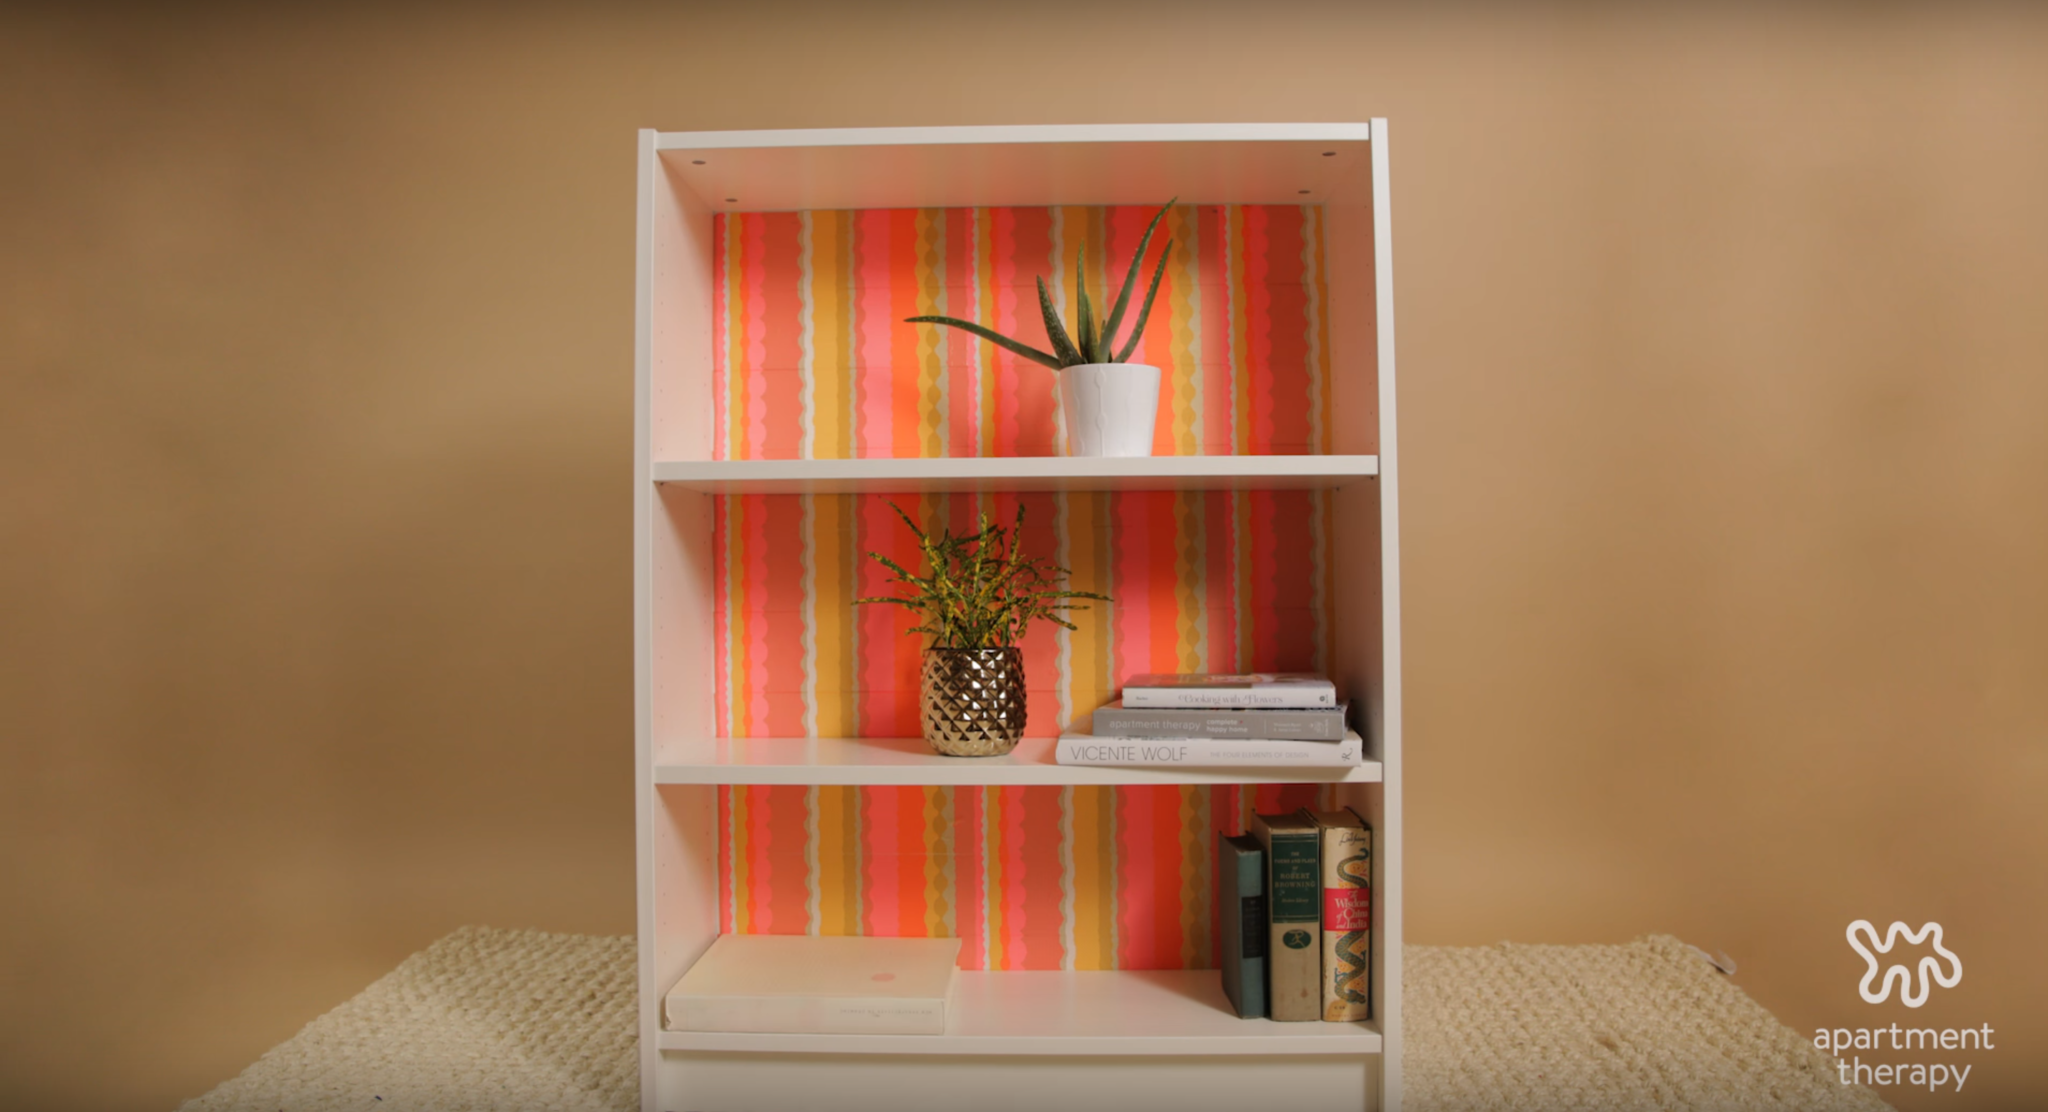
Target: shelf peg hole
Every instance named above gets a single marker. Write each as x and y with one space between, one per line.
696 162
1329 154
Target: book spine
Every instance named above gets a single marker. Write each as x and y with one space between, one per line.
1207 752
1291 697
1279 725
1347 921
1294 898
1241 917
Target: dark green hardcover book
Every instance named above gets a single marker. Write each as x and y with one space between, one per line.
1241 917
1294 901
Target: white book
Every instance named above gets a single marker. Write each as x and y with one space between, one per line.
1208 752
1252 691
806 985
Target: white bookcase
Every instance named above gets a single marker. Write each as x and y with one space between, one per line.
1022 1040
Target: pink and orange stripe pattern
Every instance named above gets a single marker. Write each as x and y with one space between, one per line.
813 362
1026 877
813 359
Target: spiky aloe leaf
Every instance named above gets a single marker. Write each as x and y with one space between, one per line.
1097 335
1062 346
1123 296
1085 337
1145 311
996 338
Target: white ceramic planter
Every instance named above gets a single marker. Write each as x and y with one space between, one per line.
1110 408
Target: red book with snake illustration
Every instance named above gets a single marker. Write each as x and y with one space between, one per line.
1347 913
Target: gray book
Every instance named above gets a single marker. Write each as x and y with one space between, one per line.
1241 916
1118 720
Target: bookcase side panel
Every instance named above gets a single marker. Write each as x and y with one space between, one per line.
685 883
643 590
1368 583
680 319
680 614
1389 520
681 885
1363 650
1371 801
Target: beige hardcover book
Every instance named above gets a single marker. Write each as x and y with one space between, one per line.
1294 960
1346 949
802 985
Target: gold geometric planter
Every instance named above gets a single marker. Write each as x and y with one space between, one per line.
971 701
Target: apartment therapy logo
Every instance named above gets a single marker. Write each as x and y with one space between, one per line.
1945 970
1861 929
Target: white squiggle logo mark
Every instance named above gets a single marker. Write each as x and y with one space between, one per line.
1928 967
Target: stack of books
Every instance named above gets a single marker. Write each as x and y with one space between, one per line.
1294 901
1264 720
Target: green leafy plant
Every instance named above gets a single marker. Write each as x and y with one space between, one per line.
1092 341
982 591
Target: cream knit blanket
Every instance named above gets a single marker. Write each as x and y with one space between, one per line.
498 1020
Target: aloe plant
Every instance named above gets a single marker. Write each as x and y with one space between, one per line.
1091 341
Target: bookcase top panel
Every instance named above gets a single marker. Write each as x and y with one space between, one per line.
945 167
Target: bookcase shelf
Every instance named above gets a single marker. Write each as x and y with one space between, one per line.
1016 473
1148 1012
838 760
1098 164
1282 394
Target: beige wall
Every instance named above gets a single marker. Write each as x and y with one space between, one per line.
1724 338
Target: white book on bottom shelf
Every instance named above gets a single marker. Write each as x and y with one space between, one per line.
1209 752
804 985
